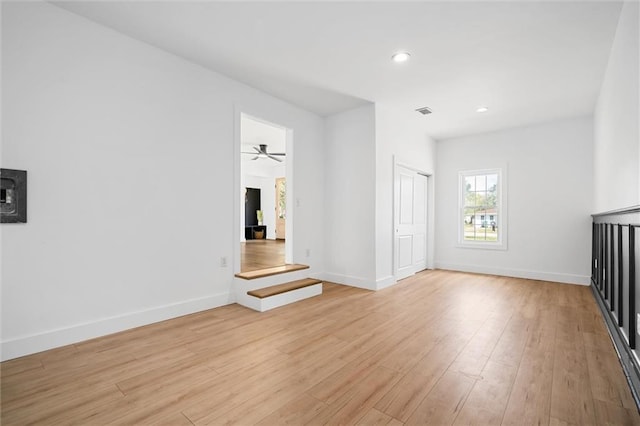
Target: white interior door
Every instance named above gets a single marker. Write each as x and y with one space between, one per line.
410 222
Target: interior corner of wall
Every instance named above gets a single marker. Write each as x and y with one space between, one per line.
382 283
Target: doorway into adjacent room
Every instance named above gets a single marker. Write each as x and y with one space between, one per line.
265 233
410 221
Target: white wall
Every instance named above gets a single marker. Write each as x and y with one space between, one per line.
549 188
350 197
132 180
361 147
617 135
401 136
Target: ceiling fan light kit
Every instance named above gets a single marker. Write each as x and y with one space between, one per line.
263 153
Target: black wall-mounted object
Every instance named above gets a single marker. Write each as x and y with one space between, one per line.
13 196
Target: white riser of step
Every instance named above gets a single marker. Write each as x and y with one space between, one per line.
275 301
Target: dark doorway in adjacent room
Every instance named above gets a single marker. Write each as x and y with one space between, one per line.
251 206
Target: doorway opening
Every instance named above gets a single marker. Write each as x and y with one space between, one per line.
265 164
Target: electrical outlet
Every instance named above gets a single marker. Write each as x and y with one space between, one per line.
223 262
308 253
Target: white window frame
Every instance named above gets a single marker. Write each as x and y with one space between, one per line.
501 244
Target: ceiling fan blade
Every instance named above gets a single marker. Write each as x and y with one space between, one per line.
257 150
277 153
256 157
274 158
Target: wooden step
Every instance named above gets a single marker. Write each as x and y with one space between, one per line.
262 293
260 273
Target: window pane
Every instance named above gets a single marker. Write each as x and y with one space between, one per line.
492 188
469 215
491 200
492 182
472 230
469 232
481 198
468 193
470 183
481 183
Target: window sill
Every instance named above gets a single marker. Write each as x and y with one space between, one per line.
482 246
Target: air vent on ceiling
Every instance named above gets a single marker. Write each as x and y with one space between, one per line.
424 110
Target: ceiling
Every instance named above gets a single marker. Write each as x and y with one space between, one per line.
527 61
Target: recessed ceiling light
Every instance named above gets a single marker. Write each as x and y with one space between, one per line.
400 56
482 109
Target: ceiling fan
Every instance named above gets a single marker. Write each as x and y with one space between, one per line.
263 153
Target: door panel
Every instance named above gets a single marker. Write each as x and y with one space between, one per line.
410 222
420 200
420 223
281 203
405 251
419 249
406 199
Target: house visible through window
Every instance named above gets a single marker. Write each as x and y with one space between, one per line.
481 217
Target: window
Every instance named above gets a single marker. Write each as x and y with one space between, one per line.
482 220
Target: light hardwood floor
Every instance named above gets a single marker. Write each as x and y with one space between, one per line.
438 348
260 254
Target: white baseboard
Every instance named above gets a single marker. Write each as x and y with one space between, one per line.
347 280
518 273
27 345
385 282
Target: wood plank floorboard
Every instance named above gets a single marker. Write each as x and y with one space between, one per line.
437 348
261 254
